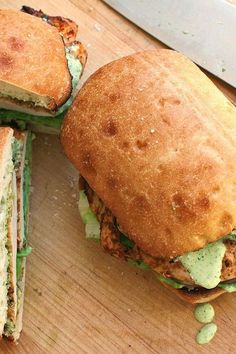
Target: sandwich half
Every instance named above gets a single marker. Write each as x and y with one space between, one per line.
41 64
15 158
154 142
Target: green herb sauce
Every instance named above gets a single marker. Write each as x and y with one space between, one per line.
230 288
204 313
206 333
204 266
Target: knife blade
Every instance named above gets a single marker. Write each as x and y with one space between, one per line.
203 30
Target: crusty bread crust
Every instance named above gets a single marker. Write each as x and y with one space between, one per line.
155 139
32 57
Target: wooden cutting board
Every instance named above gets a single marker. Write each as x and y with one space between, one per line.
78 299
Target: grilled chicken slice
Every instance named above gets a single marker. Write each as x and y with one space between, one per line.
67 28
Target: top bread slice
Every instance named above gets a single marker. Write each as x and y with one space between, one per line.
156 140
34 71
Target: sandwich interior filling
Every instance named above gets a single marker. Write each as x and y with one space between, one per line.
205 268
14 243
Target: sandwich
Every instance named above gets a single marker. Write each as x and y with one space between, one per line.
41 64
154 142
15 161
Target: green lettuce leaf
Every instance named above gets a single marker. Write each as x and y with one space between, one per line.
170 281
126 242
138 263
24 252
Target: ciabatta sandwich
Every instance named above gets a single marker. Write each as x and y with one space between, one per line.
155 143
41 64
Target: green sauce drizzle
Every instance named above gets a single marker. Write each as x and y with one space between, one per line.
206 333
205 265
204 313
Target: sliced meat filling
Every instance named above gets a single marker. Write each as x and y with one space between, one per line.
169 268
67 28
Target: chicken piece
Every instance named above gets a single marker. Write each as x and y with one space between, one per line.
67 28
110 236
228 271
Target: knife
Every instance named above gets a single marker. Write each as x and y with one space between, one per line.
203 30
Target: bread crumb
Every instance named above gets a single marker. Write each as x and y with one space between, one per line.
152 131
97 27
174 206
129 310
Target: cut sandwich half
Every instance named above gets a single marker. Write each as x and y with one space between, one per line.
41 63
15 157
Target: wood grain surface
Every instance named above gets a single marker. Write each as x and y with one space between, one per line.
78 299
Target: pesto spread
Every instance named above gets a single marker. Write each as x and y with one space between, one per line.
228 287
26 179
204 265
75 69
